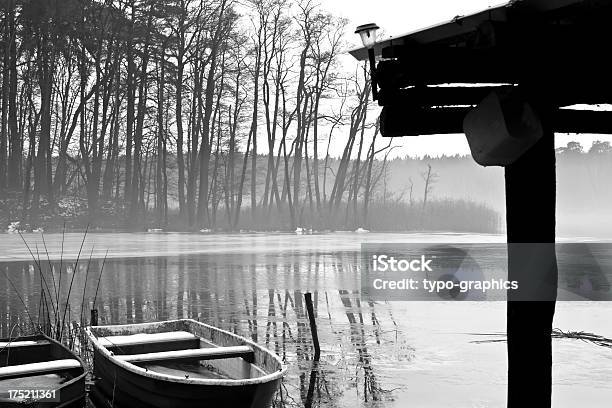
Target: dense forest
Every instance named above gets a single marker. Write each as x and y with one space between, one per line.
194 114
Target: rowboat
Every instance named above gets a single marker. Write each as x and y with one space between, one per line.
37 371
181 363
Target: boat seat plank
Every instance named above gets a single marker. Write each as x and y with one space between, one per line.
43 367
24 343
145 338
191 354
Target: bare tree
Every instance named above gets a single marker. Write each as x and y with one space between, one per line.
430 178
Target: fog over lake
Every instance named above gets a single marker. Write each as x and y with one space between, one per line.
373 354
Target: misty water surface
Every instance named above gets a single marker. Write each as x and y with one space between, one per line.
373 354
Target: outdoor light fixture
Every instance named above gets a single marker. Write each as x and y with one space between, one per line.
367 32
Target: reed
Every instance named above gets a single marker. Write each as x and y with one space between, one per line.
556 334
54 316
584 336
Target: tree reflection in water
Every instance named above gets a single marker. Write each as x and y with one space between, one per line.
254 295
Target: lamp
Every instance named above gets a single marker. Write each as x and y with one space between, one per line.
367 32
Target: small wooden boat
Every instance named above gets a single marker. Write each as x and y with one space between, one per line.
182 363
37 371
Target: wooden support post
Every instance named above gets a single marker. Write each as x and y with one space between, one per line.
313 325
373 79
530 207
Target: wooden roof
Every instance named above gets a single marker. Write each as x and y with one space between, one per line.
557 47
461 25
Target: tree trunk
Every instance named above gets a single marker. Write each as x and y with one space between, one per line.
179 136
5 98
43 155
160 167
137 187
15 137
194 134
253 130
130 103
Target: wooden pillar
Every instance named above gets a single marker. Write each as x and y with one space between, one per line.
530 206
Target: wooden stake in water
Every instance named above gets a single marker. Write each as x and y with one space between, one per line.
313 325
94 317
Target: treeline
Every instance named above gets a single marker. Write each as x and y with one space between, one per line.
96 95
583 177
390 208
194 113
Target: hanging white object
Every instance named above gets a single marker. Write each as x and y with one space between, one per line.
501 128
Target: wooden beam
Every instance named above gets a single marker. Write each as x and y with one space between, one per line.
435 96
448 65
430 96
583 121
557 66
396 121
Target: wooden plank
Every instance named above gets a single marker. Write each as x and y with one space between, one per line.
25 343
43 367
582 92
192 354
403 121
437 96
397 121
430 66
583 121
145 338
578 62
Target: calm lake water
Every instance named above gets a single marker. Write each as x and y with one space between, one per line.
397 354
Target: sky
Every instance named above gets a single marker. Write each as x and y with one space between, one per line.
400 17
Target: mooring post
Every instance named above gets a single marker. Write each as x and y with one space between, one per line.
93 321
530 217
313 325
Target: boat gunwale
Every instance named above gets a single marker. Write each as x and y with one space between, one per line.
64 385
277 375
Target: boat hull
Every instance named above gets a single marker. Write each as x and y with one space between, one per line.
119 385
71 393
133 390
